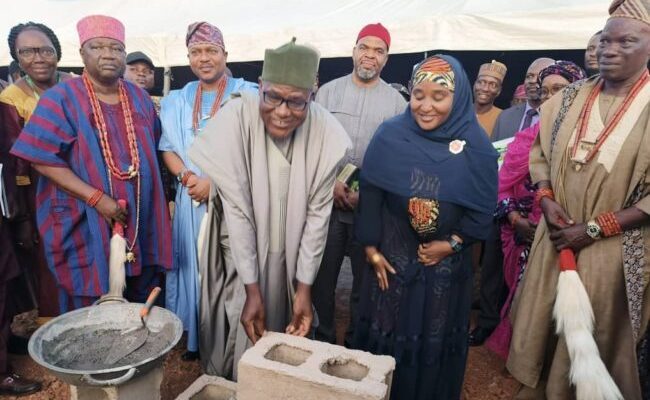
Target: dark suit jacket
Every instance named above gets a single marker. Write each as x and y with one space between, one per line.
508 122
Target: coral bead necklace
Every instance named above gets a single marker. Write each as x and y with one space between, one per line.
198 97
583 121
133 171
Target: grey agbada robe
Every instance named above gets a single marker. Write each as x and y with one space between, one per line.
232 151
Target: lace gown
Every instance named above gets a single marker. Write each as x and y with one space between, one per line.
422 319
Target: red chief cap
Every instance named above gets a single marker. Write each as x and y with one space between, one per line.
100 26
376 30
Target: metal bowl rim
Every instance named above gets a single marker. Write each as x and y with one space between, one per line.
178 328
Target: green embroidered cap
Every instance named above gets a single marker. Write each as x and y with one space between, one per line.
291 64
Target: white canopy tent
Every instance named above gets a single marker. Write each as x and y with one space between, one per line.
158 27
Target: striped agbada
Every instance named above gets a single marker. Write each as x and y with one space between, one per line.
62 133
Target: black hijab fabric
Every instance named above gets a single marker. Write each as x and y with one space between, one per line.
404 159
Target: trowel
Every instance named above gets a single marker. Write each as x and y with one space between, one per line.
133 338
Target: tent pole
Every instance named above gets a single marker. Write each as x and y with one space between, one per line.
167 83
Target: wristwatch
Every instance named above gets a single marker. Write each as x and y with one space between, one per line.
456 246
184 176
593 230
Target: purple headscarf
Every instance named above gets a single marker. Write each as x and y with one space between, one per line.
566 69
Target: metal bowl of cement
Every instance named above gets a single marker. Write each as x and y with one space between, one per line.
74 346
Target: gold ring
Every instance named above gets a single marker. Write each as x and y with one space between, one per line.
375 258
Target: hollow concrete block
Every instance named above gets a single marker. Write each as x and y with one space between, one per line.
285 367
208 387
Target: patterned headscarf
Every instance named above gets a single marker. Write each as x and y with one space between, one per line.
433 69
635 9
520 92
566 69
204 33
468 178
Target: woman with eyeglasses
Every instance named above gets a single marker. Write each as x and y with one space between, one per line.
37 51
516 211
427 193
28 282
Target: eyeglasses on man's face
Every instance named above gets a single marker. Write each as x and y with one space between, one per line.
28 53
274 100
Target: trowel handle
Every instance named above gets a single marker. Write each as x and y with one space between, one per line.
144 311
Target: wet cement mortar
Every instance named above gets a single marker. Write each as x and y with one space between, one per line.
485 376
93 348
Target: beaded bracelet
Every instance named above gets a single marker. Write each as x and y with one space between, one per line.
544 192
609 224
186 177
94 198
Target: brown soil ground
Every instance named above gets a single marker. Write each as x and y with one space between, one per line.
485 377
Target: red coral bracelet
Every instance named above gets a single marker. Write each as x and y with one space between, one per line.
609 224
94 198
544 192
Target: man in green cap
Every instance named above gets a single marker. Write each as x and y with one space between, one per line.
272 157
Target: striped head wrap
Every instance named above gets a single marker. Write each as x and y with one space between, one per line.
204 33
433 69
635 9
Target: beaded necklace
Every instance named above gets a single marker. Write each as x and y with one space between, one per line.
196 112
583 120
112 169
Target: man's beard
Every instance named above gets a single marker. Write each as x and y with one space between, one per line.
366 74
